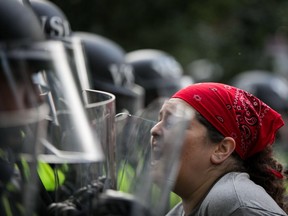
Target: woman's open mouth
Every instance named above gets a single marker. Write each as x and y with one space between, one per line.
156 154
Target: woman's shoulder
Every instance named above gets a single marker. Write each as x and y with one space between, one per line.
236 191
237 187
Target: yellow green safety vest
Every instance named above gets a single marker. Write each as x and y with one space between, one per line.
47 175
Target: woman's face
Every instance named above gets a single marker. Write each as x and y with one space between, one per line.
196 150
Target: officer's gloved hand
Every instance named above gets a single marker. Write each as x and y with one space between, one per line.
93 201
78 204
115 203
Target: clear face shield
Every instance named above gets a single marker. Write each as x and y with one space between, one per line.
100 107
77 60
93 179
147 169
70 138
72 146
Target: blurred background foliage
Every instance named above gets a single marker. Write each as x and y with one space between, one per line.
236 35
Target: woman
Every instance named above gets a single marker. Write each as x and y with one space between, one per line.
226 166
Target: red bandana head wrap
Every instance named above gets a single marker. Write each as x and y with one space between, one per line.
234 113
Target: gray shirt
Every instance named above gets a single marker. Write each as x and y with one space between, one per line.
235 195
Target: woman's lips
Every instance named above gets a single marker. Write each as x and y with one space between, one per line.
156 154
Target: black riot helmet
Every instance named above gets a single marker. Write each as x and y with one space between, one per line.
109 71
19 31
57 27
54 22
33 70
269 87
18 23
157 72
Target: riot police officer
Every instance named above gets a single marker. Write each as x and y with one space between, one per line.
36 90
22 110
56 26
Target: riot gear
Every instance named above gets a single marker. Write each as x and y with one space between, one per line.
156 71
52 86
22 65
41 90
109 71
56 26
69 124
99 107
22 110
20 30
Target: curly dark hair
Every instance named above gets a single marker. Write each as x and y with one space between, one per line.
261 167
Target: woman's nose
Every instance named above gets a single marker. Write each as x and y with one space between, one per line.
156 130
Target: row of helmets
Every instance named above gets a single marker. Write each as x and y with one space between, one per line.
159 73
129 76
138 78
58 117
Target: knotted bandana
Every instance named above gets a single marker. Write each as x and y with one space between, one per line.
234 113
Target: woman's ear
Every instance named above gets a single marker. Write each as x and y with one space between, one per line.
223 150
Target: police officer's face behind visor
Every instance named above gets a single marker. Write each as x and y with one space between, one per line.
17 95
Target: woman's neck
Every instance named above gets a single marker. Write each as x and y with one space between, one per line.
191 201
